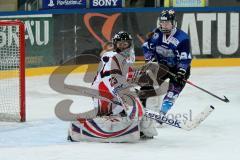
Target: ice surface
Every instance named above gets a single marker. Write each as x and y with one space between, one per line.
43 136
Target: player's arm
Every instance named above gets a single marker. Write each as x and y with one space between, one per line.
184 61
149 45
185 56
148 52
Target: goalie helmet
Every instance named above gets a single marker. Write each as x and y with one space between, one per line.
167 15
123 44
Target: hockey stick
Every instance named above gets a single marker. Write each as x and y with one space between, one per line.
225 99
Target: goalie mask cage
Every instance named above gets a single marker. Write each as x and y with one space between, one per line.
12 71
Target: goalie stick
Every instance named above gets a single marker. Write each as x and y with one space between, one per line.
187 125
63 107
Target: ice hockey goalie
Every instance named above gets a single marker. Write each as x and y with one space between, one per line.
115 122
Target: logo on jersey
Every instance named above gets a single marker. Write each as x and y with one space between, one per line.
113 81
164 52
174 41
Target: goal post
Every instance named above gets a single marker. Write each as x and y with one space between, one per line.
12 71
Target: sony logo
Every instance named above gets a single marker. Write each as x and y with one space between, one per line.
102 3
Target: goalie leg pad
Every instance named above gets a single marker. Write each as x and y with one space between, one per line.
105 129
148 127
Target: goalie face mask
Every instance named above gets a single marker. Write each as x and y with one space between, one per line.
123 44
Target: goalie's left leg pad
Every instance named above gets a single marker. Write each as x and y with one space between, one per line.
105 129
148 128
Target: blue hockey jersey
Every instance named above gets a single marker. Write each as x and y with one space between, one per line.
172 51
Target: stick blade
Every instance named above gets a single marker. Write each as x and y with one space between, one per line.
226 99
189 125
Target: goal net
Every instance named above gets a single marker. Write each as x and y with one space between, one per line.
12 71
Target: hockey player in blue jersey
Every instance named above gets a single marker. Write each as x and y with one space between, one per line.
169 46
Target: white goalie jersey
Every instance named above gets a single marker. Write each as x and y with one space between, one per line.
110 80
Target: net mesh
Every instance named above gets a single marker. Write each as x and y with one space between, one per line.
9 73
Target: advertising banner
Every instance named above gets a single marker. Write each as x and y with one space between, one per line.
105 3
38 37
212 35
185 3
55 39
63 4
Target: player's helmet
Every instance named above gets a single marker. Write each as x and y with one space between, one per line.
167 15
123 36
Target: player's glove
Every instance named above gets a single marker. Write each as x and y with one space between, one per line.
180 76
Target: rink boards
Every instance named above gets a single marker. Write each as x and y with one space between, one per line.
226 62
